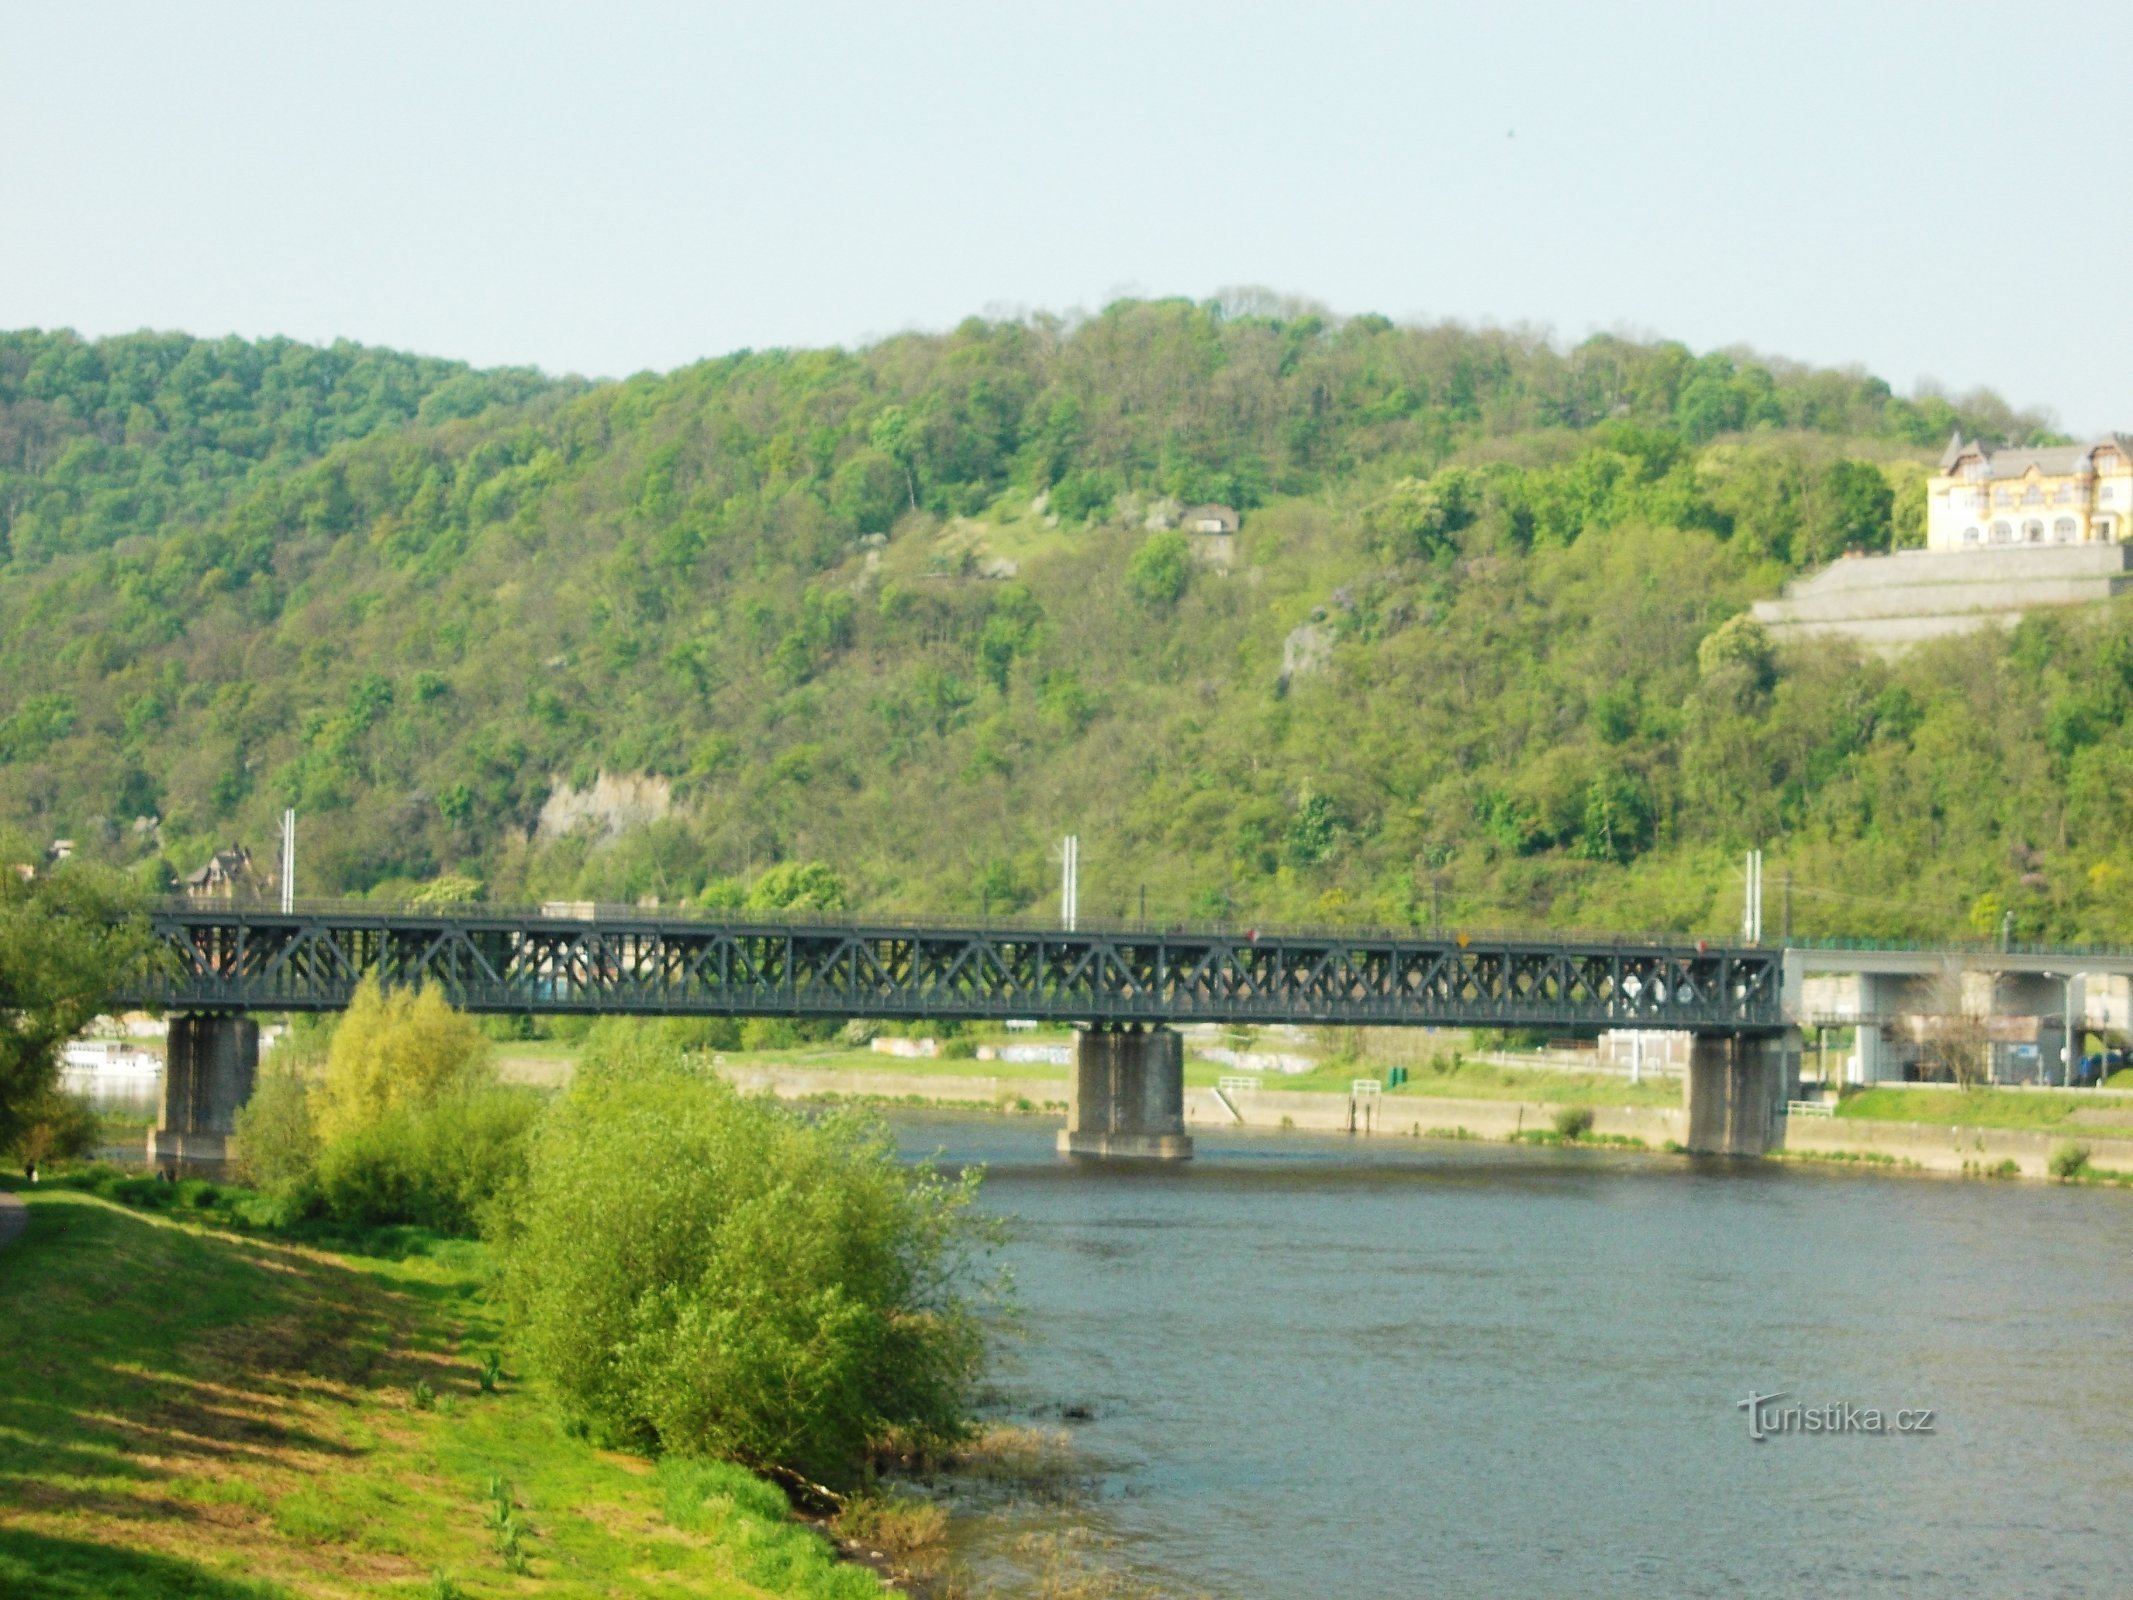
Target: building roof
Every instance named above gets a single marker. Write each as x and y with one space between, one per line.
2053 460
1211 512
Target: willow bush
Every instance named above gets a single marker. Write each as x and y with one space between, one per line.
704 1273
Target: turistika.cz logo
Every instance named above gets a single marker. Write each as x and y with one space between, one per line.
1768 1417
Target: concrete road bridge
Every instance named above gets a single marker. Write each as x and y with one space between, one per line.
1123 987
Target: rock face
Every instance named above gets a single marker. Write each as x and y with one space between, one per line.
615 803
1888 603
1306 650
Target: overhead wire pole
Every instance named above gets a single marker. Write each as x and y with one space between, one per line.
288 860
1070 881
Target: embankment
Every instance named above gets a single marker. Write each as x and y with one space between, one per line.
1941 1147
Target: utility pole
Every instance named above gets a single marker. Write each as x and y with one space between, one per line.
1070 881
288 860
1751 917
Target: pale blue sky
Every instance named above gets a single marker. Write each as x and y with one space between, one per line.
1928 190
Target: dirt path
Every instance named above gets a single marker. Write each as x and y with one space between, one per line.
14 1216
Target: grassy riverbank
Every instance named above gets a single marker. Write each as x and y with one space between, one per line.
2031 1110
191 1411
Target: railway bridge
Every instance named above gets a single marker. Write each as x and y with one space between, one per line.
215 965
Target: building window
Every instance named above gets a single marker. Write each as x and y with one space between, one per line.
2063 530
2033 495
2003 497
2109 493
1970 536
2002 533
2106 529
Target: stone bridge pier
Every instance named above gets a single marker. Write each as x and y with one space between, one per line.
1128 1095
1735 1091
207 1077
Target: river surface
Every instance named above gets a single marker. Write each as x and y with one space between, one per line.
1319 1366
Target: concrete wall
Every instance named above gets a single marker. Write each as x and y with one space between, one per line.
1418 1116
1935 1148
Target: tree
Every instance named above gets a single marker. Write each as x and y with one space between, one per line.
706 1274
392 1051
65 937
1955 1042
894 436
1157 574
57 1126
1418 517
798 886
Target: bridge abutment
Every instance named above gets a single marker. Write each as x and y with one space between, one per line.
208 1073
1128 1095
1735 1091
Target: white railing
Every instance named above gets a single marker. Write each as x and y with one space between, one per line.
1809 1108
1238 1084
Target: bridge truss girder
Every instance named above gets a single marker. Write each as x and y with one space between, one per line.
245 959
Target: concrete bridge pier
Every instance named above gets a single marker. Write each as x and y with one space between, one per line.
1735 1092
1128 1095
207 1076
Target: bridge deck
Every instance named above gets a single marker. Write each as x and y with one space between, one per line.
249 958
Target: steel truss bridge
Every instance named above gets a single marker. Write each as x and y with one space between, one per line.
237 957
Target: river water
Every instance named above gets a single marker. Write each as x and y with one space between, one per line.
1318 1366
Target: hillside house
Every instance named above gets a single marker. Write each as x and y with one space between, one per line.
2055 494
228 875
1209 519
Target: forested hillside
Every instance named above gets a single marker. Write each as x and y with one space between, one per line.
883 624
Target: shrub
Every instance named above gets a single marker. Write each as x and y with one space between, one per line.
1573 1122
959 1050
769 1033
2068 1161
708 1274
438 1166
277 1147
57 1126
1157 574
391 1051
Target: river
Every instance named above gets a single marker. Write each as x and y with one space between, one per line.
1319 1366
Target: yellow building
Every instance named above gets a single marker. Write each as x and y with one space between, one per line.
2057 494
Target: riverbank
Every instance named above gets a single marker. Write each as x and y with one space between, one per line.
1958 1148
192 1411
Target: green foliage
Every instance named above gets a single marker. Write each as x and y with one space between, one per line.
1573 1122
56 1126
798 886
1157 574
2067 1161
414 601
404 1125
65 936
394 1050
276 1144
439 1166
714 1275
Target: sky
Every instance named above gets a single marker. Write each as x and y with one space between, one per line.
1933 192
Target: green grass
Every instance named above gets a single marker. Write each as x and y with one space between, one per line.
1469 1080
2034 1111
191 1412
839 1058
